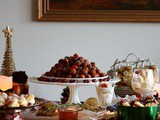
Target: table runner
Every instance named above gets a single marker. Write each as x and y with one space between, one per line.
82 115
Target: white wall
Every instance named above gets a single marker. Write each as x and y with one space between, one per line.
38 45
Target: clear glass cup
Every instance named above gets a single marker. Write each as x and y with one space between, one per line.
105 103
68 112
143 81
105 92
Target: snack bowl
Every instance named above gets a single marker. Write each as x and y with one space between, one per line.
137 113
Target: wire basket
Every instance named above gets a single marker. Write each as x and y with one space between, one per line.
124 70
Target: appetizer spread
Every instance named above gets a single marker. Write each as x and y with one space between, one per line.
92 104
47 109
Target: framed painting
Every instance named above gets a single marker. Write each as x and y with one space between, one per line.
99 10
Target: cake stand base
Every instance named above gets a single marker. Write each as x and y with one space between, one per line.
73 97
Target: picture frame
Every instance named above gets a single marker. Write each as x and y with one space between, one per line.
47 11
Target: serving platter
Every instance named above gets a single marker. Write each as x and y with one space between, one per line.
38 102
73 87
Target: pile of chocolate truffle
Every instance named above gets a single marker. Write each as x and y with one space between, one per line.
73 67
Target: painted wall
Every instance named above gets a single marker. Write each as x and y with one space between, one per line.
38 45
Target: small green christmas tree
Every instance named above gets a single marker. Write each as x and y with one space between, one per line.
65 95
8 65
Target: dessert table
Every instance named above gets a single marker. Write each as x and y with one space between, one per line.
82 116
76 71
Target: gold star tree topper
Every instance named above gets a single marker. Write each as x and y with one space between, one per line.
8 31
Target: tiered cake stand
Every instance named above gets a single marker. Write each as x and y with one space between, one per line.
73 87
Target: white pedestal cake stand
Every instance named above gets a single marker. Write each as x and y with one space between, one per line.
73 87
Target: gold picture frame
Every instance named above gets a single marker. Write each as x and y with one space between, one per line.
45 12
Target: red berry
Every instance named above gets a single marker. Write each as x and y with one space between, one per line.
59 68
86 81
100 80
104 85
59 80
74 67
88 76
63 80
70 81
93 64
139 96
60 61
94 80
73 81
53 80
60 64
76 55
57 74
49 80
137 72
40 79
53 70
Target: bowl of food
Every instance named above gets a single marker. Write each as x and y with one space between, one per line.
146 109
